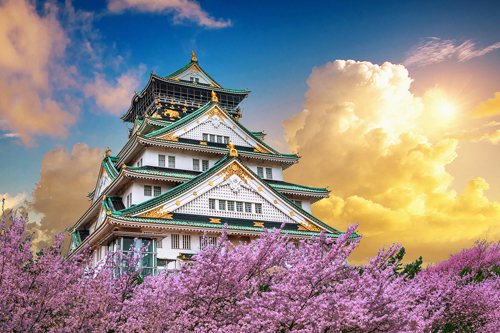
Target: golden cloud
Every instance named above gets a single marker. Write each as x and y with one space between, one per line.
367 136
12 202
488 108
31 45
60 195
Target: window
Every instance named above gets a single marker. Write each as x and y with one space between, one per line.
219 138
205 137
230 205
161 160
175 241
248 207
269 173
239 206
171 161
197 80
258 208
260 172
212 138
157 191
298 203
139 163
196 165
191 79
159 244
129 200
222 204
186 242
211 203
204 165
147 190
207 241
226 140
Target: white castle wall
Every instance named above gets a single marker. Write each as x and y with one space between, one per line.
217 127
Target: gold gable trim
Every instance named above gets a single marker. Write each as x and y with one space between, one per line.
169 137
235 169
155 213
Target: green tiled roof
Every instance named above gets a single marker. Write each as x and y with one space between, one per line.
300 187
144 170
220 226
181 122
109 165
180 70
176 190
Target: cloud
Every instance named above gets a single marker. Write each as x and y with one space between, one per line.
435 50
60 195
114 98
12 202
492 123
493 137
182 10
363 132
32 47
488 108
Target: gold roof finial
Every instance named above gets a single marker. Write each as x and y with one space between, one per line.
106 153
232 150
193 57
214 97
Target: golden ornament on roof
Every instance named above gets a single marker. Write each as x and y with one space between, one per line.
193 57
232 150
214 97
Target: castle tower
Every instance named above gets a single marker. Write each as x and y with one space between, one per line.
191 167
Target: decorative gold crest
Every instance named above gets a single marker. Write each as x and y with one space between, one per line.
235 169
157 214
213 220
258 224
193 57
215 112
259 149
171 113
214 97
169 137
232 150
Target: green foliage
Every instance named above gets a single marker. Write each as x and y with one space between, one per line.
409 270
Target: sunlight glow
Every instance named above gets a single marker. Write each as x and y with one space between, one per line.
446 110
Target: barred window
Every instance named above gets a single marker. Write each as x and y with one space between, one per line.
211 203
248 207
219 138
175 241
196 164
171 161
147 190
298 203
260 172
212 138
239 206
258 208
222 204
230 205
159 244
269 173
205 137
161 160
226 140
207 241
186 242
204 165
157 191
139 163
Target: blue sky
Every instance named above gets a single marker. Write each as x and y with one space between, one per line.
268 47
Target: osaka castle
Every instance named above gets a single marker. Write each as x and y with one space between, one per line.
190 167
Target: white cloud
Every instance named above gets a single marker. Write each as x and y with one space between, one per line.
182 10
435 50
114 98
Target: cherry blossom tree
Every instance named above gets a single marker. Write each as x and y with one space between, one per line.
271 284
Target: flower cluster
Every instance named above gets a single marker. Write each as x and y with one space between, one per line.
269 285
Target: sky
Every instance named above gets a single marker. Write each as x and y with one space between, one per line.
395 105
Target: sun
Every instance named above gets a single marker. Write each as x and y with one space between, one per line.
446 110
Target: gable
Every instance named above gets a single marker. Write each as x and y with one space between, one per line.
103 181
232 182
195 72
215 121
